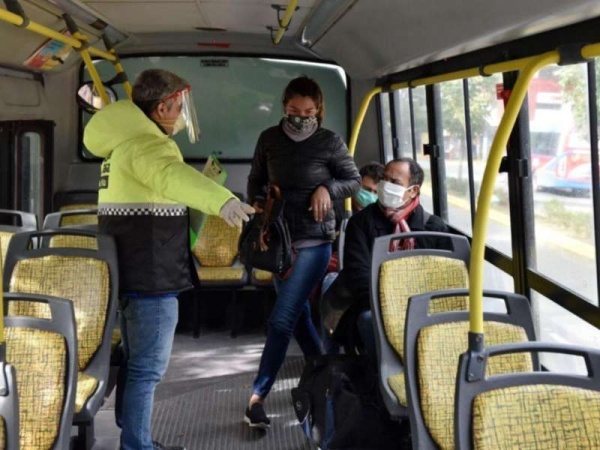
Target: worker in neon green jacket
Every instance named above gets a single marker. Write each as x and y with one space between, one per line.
144 192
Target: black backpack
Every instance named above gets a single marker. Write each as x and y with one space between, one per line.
338 405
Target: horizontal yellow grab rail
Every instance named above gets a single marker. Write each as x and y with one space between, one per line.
17 20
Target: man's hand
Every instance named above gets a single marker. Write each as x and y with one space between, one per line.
234 212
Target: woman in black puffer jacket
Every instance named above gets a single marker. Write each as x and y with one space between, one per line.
312 167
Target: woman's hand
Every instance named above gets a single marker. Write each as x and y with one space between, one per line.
320 203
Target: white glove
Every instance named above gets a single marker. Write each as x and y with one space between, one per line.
234 211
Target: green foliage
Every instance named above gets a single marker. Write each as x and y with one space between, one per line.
572 222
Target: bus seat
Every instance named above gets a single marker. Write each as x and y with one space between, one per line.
218 266
434 342
9 410
58 272
261 277
55 221
341 243
529 410
395 277
44 354
12 222
71 217
74 200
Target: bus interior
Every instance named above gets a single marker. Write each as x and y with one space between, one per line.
497 101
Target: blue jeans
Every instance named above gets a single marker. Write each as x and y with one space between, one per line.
291 314
147 328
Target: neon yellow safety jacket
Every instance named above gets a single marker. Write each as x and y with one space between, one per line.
144 191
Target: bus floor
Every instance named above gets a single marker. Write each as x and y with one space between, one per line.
201 401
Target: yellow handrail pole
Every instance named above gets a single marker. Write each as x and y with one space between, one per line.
287 18
119 68
87 60
91 68
360 117
121 75
487 186
17 20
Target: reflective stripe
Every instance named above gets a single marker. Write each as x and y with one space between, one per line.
141 209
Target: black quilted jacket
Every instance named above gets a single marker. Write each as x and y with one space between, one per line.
299 168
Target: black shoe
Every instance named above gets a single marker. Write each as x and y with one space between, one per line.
255 417
159 446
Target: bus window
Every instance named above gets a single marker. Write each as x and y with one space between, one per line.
556 324
386 127
421 138
403 126
564 223
248 94
31 173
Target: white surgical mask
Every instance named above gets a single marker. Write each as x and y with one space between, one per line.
391 195
179 125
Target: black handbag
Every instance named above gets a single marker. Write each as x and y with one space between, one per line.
265 242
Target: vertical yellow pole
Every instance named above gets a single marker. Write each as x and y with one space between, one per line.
360 117
488 182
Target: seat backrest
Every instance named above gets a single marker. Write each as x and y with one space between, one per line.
217 244
9 410
44 354
59 272
397 275
70 217
12 222
528 410
68 200
433 345
342 243
86 219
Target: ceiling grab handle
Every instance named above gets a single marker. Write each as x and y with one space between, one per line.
83 50
285 22
121 76
19 21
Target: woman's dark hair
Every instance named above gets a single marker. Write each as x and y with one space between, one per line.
305 87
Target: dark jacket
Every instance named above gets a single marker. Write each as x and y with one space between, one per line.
371 223
299 168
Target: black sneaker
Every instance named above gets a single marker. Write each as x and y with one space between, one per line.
255 417
159 446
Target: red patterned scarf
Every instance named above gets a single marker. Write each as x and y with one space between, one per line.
398 217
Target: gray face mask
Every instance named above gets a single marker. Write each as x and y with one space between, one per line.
302 124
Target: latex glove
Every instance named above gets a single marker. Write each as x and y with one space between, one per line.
234 212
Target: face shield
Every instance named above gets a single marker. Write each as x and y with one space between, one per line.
188 118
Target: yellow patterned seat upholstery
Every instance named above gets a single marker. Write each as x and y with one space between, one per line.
261 276
43 353
529 411
72 216
216 252
396 277
433 345
23 221
59 272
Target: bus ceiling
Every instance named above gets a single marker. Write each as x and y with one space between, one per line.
370 40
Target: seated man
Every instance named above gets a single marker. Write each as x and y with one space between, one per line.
397 210
370 175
